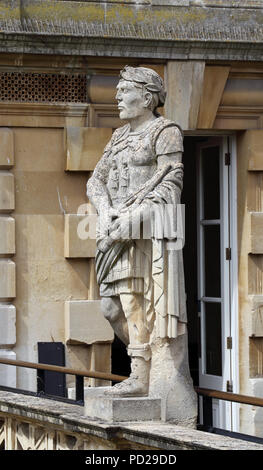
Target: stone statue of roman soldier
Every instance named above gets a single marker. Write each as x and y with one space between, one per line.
141 277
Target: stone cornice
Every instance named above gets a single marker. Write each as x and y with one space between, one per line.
127 20
188 3
149 28
129 47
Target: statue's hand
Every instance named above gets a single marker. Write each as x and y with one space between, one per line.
104 244
120 228
113 213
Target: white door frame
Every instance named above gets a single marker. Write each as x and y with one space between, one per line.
234 318
226 415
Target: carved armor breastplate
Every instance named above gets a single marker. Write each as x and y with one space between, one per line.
132 163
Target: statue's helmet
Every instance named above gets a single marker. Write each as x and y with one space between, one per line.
147 79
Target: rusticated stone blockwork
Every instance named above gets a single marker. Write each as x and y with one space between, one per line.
256 357
6 148
7 235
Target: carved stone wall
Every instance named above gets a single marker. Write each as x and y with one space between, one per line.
16 434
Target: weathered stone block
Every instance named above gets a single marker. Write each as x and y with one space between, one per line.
7 279
77 230
255 357
99 406
7 373
256 232
7 235
254 149
7 195
215 78
255 315
85 146
7 325
85 323
6 148
256 413
184 84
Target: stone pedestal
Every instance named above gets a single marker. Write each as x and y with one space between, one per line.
171 381
99 406
171 398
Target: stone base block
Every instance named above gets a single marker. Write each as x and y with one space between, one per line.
6 148
85 323
7 373
7 325
99 406
7 194
7 279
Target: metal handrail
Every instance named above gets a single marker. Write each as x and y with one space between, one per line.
229 396
79 377
65 370
207 415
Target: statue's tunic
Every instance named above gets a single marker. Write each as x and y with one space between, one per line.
129 161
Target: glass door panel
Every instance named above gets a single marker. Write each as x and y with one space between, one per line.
211 182
212 261
213 338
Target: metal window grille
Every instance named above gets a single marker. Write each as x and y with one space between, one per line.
26 87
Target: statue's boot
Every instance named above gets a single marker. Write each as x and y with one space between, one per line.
137 385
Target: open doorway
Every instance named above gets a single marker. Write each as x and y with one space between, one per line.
208 263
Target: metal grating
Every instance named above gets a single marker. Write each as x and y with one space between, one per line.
26 87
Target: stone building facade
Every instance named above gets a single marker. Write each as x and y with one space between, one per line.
59 65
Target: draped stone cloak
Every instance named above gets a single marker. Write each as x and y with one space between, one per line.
154 266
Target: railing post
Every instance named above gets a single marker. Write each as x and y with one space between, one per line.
79 388
208 413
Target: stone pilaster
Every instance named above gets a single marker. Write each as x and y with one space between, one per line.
7 250
250 225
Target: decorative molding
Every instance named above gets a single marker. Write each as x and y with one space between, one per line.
104 115
238 117
43 115
43 109
153 48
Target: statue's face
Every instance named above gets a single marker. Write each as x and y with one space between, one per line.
131 100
